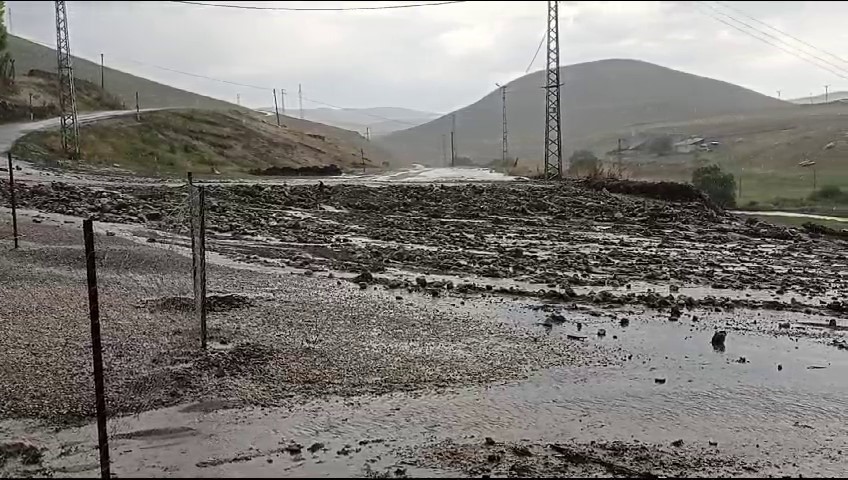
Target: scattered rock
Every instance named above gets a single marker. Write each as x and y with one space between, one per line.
718 338
624 322
522 451
315 447
677 443
659 381
779 367
602 332
489 441
29 453
421 282
293 447
364 277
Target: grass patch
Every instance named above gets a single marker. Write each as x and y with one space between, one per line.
206 142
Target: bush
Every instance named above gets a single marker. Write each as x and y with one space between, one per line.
718 185
831 194
583 161
661 145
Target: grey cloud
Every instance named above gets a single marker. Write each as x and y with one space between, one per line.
436 58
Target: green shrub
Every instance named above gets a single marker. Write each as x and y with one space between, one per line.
718 185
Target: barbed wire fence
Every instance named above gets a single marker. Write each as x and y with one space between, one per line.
149 303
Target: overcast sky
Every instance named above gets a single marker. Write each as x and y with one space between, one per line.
435 58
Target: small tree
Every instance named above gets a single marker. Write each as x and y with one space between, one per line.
661 145
583 161
718 185
7 73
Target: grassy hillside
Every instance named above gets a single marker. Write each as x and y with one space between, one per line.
209 142
29 55
598 97
763 150
44 88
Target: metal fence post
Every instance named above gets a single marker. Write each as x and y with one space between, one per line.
12 198
201 263
96 348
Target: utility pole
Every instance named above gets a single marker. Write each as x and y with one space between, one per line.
300 99
368 133
453 140
618 157
504 141
238 99
778 94
283 101
67 96
825 93
553 118
276 110
137 108
102 82
444 149
362 156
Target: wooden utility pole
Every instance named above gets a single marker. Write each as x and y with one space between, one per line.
12 198
276 110
102 78
453 140
618 157
300 99
137 109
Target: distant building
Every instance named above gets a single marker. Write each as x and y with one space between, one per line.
689 145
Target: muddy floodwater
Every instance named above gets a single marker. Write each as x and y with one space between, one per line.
435 330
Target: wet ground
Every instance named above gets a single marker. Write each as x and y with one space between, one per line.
572 327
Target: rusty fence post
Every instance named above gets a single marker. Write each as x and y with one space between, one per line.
96 347
12 199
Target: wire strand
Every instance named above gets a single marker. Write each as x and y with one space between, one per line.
794 54
725 5
315 9
538 49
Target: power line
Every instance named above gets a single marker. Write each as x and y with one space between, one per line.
782 32
315 9
538 49
258 87
777 38
794 54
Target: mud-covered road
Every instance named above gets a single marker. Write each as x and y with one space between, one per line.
400 326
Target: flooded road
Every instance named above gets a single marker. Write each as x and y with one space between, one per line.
790 421
453 313
809 216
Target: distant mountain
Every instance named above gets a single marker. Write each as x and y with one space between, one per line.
831 97
380 120
598 98
29 55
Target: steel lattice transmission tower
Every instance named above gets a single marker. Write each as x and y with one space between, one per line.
67 97
553 118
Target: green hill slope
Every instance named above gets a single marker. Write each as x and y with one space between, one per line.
29 55
598 97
